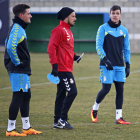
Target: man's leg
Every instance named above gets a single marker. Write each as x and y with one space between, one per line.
119 80
70 86
13 109
16 84
119 98
24 109
101 95
106 77
60 96
119 103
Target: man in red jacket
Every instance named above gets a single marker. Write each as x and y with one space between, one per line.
61 57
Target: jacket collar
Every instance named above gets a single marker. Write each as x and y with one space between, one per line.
64 24
20 22
113 25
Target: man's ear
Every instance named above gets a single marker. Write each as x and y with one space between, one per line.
20 15
66 20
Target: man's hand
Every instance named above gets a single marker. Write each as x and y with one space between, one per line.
76 57
22 64
55 70
107 63
127 69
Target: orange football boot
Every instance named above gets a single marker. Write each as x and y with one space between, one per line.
15 133
94 116
121 121
31 131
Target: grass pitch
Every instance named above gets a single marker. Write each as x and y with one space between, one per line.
86 74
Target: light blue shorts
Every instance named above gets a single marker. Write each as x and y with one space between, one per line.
108 76
19 82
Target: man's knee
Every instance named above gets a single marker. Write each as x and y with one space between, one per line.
17 96
27 95
106 88
73 94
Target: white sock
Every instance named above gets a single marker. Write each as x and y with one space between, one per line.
95 106
25 122
118 113
11 125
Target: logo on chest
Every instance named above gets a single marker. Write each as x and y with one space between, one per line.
121 32
68 35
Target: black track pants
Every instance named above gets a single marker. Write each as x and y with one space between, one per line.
63 102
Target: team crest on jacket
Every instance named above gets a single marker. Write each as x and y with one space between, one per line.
121 32
71 81
26 87
104 78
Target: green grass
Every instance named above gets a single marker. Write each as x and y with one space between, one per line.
43 98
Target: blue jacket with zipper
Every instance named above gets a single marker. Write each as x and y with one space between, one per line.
17 48
113 42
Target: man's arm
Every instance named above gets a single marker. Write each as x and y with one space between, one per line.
54 42
12 45
127 53
99 47
99 42
126 48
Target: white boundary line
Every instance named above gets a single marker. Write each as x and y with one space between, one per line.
135 71
82 78
32 85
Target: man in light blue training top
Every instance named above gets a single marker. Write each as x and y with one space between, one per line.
17 63
112 44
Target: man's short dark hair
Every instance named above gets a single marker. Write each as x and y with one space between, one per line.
115 7
20 8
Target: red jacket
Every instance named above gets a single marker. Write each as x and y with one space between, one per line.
61 47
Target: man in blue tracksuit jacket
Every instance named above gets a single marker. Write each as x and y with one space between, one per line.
112 44
17 63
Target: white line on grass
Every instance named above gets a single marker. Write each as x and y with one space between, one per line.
135 71
82 78
32 85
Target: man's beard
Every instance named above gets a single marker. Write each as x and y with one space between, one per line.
70 23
